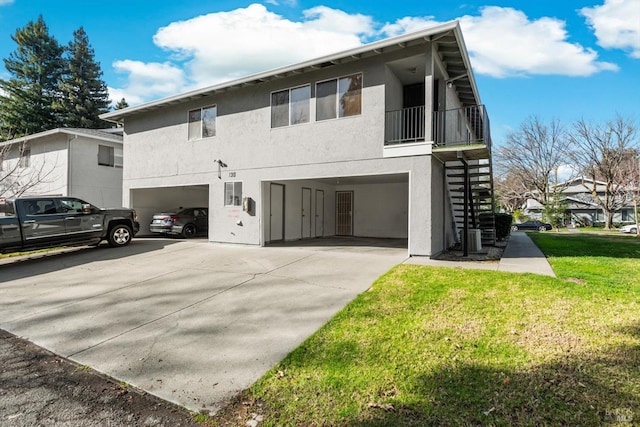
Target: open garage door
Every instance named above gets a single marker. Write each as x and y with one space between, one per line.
147 201
302 209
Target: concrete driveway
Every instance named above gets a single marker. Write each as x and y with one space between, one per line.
189 321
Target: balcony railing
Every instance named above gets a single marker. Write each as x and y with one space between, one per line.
461 126
403 126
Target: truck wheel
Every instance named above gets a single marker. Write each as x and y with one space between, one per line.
119 235
188 231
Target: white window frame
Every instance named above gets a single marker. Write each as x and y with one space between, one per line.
197 125
236 199
337 96
290 104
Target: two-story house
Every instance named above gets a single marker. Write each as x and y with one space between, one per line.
387 140
581 206
84 163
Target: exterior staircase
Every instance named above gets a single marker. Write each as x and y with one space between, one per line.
480 201
463 143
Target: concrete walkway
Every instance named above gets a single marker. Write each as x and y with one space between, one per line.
520 256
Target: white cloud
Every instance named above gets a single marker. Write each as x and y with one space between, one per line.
147 81
616 24
503 42
6 2
227 45
208 49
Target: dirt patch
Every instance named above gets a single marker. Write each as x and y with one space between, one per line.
490 254
38 388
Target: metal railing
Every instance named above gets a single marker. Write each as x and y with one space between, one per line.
462 126
403 126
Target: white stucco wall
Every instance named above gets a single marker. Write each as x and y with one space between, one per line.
47 166
97 184
380 210
158 154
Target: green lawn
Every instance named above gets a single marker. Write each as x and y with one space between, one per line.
439 346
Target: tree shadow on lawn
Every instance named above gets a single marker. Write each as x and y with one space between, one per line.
592 245
576 390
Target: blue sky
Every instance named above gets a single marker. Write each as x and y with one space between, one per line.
563 59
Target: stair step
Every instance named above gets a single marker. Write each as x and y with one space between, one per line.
471 174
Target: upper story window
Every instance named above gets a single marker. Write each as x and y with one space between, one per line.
25 158
340 97
202 122
109 156
290 106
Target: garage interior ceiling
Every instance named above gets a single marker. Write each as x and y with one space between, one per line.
367 179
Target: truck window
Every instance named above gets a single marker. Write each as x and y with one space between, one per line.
72 205
40 207
6 208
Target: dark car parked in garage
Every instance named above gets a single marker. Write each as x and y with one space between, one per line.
185 222
531 226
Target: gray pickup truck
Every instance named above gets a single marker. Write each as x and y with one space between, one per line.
44 221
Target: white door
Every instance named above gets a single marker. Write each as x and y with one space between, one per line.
306 213
344 213
319 213
276 209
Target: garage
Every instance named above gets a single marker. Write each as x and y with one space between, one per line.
147 201
374 206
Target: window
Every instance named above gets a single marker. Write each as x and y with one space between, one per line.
202 122
25 158
233 193
109 156
290 106
40 207
339 97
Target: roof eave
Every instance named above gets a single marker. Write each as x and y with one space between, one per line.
117 116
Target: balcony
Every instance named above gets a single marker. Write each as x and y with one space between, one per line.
462 128
404 126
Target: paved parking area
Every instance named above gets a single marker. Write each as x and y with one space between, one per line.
189 321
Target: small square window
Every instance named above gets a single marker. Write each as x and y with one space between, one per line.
106 155
202 122
25 158
338 98
233 193
290 106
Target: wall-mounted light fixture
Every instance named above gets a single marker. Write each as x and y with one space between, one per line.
453 79
221 165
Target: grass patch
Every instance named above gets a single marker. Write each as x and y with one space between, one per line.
440 346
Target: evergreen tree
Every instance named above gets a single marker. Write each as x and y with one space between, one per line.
28 97
85 94
121 104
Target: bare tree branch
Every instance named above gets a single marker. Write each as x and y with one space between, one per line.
600 151
532 156
16 176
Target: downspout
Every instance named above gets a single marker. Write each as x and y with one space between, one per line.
69 139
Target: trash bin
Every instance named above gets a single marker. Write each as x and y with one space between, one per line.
475 240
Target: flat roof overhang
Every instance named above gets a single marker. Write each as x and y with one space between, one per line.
447 38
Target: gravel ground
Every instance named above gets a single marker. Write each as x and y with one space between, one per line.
38 388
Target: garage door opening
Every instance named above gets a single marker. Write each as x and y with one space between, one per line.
148 201
341 211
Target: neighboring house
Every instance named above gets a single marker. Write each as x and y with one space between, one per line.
82 163
581 208
370 142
